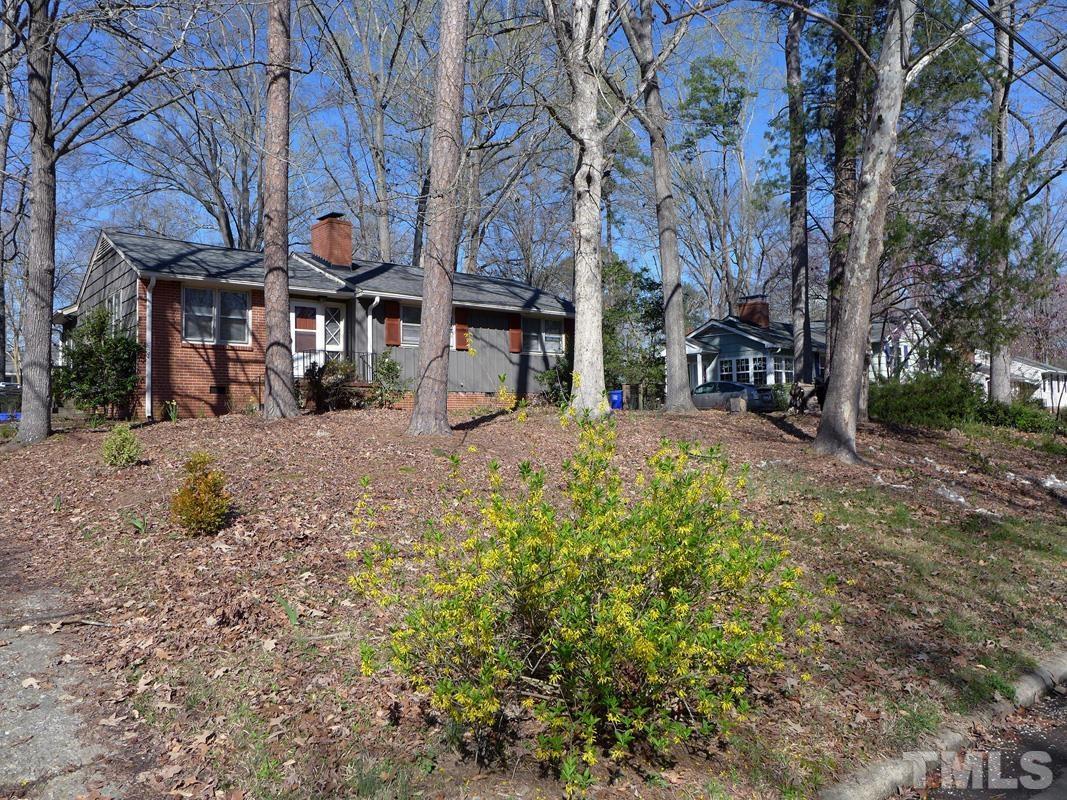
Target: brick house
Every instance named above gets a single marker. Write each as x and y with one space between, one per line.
198 311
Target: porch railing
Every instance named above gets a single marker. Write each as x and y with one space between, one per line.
305 358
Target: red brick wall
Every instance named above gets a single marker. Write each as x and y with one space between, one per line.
186 371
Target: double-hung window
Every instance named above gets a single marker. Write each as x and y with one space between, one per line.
759 370
542 335
726 369
783 369
215 316
113 304
410 325
741 370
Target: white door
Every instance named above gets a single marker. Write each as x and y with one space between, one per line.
318 331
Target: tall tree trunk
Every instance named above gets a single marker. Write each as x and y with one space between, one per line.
7 70
798 199
1000 225
473 236
845 131
587 396
430 414
837 429
420 219
381 186
279 395
678 391
36 420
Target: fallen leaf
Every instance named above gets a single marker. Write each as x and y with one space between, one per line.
269 645
31 683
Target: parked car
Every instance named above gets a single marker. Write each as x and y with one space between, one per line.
717 394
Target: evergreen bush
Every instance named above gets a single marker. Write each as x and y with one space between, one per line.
201 506
121 448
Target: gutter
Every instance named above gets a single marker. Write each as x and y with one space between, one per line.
148 349
370 336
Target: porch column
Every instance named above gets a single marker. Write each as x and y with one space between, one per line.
700 368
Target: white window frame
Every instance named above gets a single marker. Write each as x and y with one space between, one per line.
723 362
543 349
748 370
752 364
216 321
320 323
783 365
402 324
113 304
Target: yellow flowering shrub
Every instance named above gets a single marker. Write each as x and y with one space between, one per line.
619 622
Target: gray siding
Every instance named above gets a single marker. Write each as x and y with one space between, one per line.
488 332
110 274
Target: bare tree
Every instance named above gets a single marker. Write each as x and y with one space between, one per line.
279 395
430 413
837 428
798 199
638 27
87 116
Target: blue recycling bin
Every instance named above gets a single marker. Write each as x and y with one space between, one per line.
615 399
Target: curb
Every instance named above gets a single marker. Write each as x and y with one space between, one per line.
886 778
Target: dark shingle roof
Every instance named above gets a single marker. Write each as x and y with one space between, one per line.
178 259
778 335
374 277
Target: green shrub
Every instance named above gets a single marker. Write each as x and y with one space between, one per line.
930 400
201 505
121 448
1020 415
780 392
330 386
387 385
99 372
556 382
617 622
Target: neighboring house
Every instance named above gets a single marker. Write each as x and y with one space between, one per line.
198 310
747 347
1029 379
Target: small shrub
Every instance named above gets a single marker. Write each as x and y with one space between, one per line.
930 400
201 506
621 623
330 385
387 385
556 382
121 448
780 392
508 399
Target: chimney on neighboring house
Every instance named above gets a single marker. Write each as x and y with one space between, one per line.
331 239
755 310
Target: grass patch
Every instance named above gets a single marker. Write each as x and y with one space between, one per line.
912 720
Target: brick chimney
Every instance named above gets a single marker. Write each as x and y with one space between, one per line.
755 310
331 239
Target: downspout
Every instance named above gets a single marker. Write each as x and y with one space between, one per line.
370 335
148 348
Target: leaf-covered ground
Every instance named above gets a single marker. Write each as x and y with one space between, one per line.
229 666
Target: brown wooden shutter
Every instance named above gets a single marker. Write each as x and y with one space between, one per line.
515 333
568 333
392 323
461 328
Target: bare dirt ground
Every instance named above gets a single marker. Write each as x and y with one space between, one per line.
230 665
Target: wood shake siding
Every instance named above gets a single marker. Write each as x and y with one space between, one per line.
191 373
